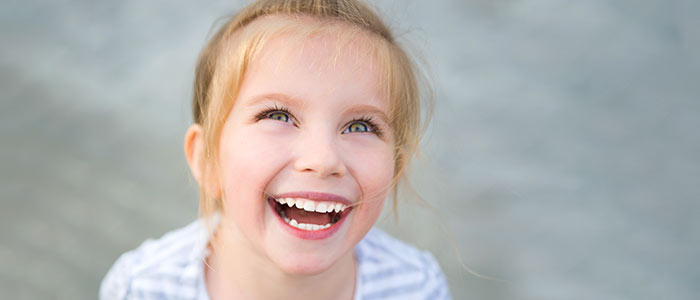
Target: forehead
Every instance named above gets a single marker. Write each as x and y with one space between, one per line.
338 36
307 59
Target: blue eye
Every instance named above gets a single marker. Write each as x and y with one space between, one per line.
358 127
279 116
361 125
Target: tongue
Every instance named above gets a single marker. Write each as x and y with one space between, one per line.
307 217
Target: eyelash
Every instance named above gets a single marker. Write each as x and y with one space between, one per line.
272 109
368 121
276 109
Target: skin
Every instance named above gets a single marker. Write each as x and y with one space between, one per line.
252 256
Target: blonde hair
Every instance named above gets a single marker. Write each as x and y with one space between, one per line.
223 62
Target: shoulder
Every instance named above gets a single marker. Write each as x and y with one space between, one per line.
161 268
389 268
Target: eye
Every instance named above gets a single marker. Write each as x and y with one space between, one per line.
275 113
358 127
361 125
279 116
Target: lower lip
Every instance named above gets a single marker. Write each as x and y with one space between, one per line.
305 234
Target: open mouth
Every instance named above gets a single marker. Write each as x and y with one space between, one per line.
307 214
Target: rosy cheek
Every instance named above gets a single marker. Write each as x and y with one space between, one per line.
241 147
373 168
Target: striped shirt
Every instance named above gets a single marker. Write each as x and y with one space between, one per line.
172 267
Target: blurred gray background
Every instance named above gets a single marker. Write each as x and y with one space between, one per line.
564 156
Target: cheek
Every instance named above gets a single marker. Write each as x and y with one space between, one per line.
373 169
248 161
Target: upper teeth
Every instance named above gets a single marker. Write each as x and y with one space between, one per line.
310 205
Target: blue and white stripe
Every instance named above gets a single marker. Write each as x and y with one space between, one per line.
172 268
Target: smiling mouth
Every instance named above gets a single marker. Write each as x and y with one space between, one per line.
307 214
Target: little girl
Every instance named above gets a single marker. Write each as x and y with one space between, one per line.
306 114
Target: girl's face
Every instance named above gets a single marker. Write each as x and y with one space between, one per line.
309 129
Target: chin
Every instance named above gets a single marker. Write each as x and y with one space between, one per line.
305 264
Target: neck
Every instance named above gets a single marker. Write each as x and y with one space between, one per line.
234 270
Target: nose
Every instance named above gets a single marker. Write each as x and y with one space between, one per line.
319 154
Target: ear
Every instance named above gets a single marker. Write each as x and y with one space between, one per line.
194 152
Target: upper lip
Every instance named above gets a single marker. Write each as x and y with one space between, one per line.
316 196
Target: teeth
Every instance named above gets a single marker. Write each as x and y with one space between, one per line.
304 226
283 201
309 206
321 207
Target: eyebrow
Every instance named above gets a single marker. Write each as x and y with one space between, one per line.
285 99
294 102
364 108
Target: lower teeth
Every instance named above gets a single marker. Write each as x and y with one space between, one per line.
304 226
